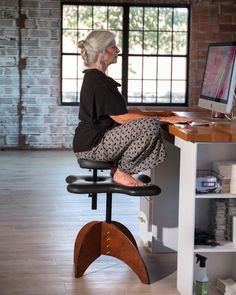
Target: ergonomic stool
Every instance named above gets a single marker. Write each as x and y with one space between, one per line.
107 237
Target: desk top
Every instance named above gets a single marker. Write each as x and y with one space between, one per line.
219 131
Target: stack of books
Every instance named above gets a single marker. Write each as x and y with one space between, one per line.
217 224
230 212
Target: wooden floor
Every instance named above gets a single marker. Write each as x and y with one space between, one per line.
39 221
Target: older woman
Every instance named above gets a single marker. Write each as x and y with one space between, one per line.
107 130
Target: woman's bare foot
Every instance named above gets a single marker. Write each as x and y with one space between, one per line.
126 179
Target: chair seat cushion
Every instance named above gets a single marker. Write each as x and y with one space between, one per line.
85 185
91 164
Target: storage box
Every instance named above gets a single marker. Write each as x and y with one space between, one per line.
208 181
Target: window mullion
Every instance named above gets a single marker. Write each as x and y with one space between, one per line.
125 51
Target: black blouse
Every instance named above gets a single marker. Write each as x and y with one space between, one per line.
99 98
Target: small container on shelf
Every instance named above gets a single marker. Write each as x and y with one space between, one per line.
208 182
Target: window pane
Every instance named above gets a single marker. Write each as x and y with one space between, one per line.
119 39
150 42
135 42
69 66
135 68
81 67
180 19
82 34
178 91
165 19
134 91
115 19
150 18
163 91
136 18
69 90
100 17
179 68
85 17
164 68
114 70
165 43
149 91
179 43
69 17
149 67
69 43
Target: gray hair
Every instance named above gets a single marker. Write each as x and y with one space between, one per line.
96 42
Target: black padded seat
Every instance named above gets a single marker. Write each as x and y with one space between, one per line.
91 164
105 184
88 184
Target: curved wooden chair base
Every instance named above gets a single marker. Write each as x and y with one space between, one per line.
114 239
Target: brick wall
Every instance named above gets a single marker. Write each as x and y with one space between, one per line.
212 21
31 117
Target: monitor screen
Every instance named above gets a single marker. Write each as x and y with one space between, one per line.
219 78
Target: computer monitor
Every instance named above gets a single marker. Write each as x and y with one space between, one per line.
219 78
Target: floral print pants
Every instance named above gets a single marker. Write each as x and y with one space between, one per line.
133 147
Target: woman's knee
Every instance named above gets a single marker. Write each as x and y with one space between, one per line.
151 125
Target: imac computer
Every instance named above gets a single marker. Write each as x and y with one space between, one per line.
219 78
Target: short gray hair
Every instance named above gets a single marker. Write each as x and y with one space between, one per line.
96 42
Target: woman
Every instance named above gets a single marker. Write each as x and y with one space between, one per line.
107 130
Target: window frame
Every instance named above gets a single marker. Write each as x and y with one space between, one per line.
125 50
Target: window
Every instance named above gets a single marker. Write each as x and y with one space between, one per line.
153 42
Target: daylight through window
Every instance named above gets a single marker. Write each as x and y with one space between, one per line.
153 60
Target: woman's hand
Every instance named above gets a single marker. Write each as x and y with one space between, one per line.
175 120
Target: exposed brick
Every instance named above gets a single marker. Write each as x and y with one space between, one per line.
225 19
227 28
229 7
2 140
7 61
59 120
30 4
215 28
37 90
12 140
39 33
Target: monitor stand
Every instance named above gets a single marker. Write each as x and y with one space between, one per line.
220 118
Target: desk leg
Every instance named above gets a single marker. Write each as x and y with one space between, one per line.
185 262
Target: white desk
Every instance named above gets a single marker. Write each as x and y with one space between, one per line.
170 219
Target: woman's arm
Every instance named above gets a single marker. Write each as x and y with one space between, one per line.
135 115
126 118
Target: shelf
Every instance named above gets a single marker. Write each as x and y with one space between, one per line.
214 291
215 196
225 246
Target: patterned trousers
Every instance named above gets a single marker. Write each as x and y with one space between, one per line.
134 147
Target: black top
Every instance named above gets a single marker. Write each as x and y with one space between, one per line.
99 98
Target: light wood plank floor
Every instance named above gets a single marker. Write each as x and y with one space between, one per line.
39 221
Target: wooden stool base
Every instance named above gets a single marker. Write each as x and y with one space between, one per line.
113 239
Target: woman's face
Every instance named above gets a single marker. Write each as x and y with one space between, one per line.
110 54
